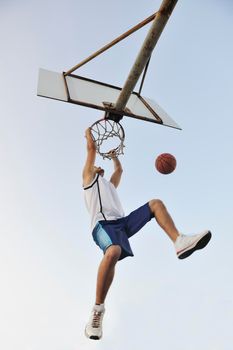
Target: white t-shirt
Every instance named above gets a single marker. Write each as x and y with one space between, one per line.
102 201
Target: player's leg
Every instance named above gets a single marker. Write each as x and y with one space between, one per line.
184 245
104 280
106 272
163 218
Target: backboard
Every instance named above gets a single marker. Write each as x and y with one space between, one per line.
94 94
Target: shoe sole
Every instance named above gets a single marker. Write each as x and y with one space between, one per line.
93 337
199 245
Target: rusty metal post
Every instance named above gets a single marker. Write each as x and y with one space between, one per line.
112 43
148 46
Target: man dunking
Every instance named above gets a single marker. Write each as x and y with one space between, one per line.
111 229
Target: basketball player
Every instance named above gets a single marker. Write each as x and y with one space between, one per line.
111 229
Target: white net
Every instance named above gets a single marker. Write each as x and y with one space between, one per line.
108 135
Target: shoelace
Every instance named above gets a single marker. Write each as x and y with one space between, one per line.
96 319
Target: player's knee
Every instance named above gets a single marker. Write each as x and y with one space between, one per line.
113 253
155 205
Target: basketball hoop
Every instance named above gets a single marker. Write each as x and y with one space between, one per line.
108 135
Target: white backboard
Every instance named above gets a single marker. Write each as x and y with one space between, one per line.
94 94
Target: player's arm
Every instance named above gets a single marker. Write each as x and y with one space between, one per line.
88 170
116 176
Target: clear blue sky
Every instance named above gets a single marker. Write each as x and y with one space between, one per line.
48 260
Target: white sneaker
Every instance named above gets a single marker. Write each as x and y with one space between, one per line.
93 329
186 245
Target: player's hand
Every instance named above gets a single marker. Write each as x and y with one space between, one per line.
88 133
90 140
112 154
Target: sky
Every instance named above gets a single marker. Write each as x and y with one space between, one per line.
48 261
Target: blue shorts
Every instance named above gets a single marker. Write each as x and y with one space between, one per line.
118 232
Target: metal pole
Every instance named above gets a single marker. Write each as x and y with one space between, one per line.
112 43
152 37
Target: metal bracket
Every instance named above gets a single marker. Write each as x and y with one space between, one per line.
114 115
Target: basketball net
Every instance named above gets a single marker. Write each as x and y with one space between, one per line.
108 136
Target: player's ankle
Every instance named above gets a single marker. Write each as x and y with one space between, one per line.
99 307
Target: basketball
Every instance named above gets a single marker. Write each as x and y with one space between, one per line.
165 163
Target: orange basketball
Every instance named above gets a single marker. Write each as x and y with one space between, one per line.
165 163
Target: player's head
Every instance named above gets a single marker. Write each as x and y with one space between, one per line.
99 170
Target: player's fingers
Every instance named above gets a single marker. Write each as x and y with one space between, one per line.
112 151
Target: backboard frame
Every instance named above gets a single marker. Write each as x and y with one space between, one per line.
111 109
61 86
